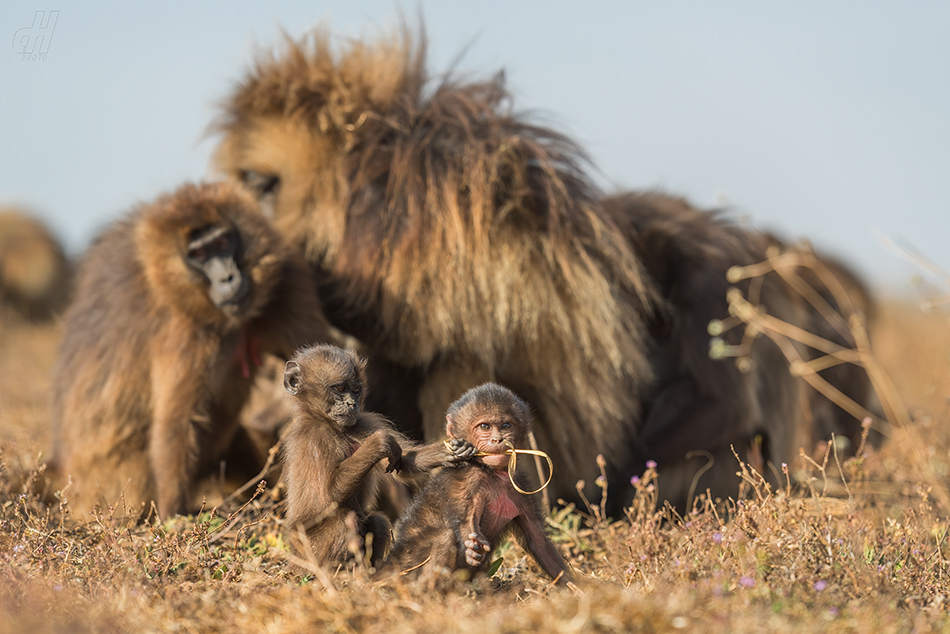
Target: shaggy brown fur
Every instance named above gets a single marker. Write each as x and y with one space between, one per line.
34 272
152 374
463 244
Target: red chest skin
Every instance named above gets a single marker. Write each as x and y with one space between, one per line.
248 353
501 507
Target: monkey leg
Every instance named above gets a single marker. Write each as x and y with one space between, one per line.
377 525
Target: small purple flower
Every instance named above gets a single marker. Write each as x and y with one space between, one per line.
600 481
833 611
820 585
634 480
746 582
717 537
651 464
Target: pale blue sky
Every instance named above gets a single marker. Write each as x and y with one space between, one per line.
819 119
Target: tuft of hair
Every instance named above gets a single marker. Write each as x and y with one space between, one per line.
324 364
491 397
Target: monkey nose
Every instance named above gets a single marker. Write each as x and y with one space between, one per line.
228 286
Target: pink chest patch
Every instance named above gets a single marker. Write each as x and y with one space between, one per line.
503 508
248 353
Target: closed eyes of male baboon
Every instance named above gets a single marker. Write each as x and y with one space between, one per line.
462 514
460 243
175 304
34 272
332 455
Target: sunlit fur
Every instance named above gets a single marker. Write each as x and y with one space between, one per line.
461 242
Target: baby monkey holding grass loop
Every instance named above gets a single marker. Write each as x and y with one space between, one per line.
462 514
333 453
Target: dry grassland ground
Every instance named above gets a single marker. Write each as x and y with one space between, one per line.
864 550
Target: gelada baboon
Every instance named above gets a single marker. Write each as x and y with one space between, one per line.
34 271
463 513
462 244
699 408
175 304
332 456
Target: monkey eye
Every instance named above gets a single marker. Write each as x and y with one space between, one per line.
339 387
200 254
484 426
356 389
506 425
262 184
222 242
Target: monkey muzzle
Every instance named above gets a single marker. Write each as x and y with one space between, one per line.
229 289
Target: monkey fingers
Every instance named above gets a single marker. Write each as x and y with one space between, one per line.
393 452
476 547
461 450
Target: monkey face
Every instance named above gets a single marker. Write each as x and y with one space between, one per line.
492 418
493 436
213 251
343 401
328 383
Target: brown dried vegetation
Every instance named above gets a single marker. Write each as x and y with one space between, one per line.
779 561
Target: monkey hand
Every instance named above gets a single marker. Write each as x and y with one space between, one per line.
459 451
476 550
392 451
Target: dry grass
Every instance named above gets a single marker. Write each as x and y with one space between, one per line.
800 559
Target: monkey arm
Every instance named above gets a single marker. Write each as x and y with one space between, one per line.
417 458
177 388
352 471
474 546
541 548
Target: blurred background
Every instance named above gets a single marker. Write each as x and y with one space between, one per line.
822 120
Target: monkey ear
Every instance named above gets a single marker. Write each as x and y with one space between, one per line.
450 427
292 377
